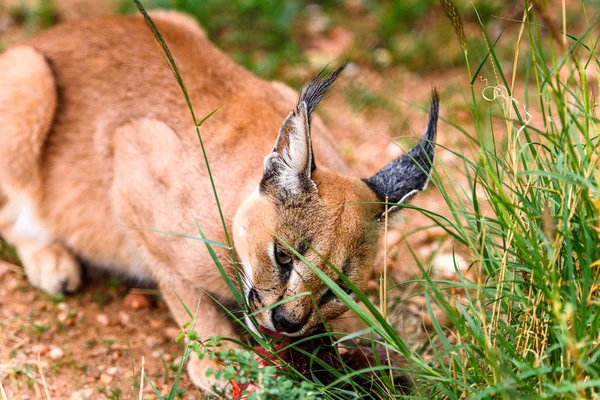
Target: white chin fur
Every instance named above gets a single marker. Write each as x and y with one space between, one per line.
251 325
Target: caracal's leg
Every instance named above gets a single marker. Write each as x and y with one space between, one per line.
27 105
210 321
149 181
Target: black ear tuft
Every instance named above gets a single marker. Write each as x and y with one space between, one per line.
289 166
404 177
318 87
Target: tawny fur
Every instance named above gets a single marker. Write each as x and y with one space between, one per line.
98 148
122 151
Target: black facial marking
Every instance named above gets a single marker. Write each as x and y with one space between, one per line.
303 246
346 266
254 298
326 298
330 296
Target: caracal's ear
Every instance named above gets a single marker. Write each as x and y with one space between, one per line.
402 178
289 166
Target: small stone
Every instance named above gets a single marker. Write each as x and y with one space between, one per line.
152 342
425 251
171 332
82 394
372 285
382 56
156 323
137 301
39 349
62 316
112 371
56 353
62 306
446 265
436 233
439 316
6 267
20 308
106 379
351 70
124 318
157 353
318 22
102 319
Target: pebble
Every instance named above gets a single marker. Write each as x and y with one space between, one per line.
152 342
157 353
11 285
383 57
39 349
124 318
156 323
102 319
56 353
445 266
6 267
112 371
137 301
20 308
372 285
439 316
171 332
62 316
436 233
106 379
82 394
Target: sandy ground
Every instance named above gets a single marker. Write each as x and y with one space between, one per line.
90 345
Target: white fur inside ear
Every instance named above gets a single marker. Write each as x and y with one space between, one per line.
410 194
298 157
293 159
391 210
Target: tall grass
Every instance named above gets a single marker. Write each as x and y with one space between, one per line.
528 326
527 213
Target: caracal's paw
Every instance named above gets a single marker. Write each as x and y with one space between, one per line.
197 371
51 268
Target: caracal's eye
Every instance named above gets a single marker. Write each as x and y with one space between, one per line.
284 261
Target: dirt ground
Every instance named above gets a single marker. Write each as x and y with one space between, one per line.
90 345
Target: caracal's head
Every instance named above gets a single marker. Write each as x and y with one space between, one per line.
327 218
